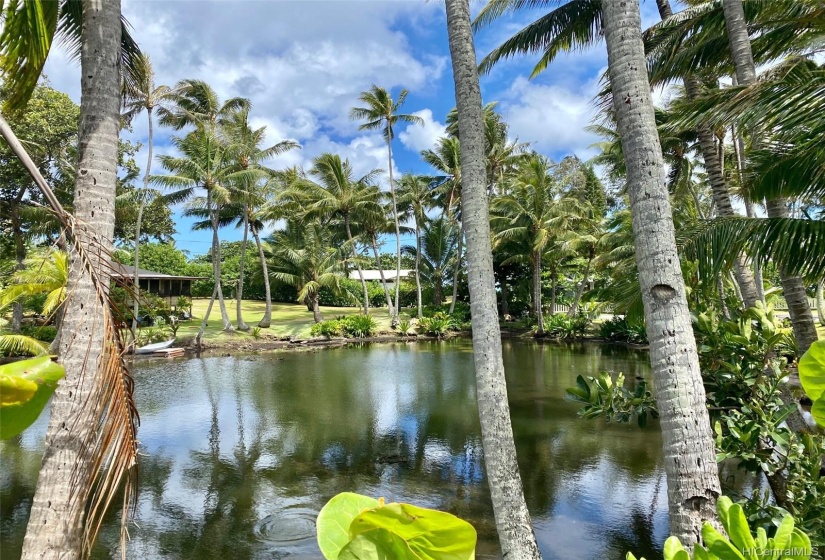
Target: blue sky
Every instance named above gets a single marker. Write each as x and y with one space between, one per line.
303 64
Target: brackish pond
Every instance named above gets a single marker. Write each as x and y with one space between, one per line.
240 453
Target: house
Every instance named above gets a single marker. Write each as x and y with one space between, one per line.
167 286
375 275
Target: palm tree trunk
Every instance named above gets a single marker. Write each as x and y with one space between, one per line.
136 279
358 267
381 272
505 297
820 301
20 257
553 289
216 268
56 522
689 456
206 314
794 289
266 320
394 321
418 267
438 291
515 530
537 292
239 295
457 268
574 307
316 309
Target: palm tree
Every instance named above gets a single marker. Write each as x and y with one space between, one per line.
528 213
204 164
446 159
792 286
40 276
371 225
140 95
679 392
305 255
99 448
381 113
434 253
414 194
244 145
515 529
196 104
339 196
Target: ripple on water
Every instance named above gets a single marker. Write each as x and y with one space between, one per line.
290 531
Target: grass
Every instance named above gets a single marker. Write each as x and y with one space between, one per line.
288 319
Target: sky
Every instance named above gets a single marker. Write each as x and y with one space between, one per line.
303 63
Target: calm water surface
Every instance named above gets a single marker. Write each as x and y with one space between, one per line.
240 453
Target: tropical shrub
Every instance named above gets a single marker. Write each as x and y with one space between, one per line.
787 542
352 526
404 327
604 396
329 328
182 303
46 333
437 325
359 326
560 325
461 312
620 329
256 333
151 335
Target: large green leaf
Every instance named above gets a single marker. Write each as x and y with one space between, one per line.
377 544
335 518
429 534
812 376
25 388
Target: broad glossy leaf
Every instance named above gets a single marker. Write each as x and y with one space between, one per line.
739 532
335 518
430 534
377 544
812 376
718 545
800 542
26 387
783 533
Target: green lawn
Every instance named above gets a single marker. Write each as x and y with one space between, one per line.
288 319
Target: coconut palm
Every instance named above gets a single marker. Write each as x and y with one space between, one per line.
515 529
685 424
307 255
371 225
337 195
98 450
40 276
140 95
246 151
434 252
415 197
381 113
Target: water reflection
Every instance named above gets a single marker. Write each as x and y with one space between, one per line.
240 453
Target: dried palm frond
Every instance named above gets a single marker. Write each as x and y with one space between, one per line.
113 441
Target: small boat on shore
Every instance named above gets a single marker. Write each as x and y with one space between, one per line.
151 348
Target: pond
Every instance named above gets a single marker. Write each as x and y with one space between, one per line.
240 453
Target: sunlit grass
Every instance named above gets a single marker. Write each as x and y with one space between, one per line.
288 319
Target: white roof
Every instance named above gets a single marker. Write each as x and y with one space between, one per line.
389 275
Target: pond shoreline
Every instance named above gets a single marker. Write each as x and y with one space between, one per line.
246 345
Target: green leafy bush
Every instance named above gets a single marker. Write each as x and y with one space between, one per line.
602 396
787 542
359 326
619 329
329 328
46 333
559 325
404 327
150 335
355 527
437 325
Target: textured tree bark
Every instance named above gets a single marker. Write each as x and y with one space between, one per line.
505 296
20 257
457 269
689 457
316 309
394 309
418 267
820 301
56 522
266 320
513 523
358 266
239 294
794 289
536 258
199 336
381 272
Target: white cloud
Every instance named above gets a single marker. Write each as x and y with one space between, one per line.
551 118
422 137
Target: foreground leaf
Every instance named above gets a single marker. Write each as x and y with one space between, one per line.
812 377
25 388
335 518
